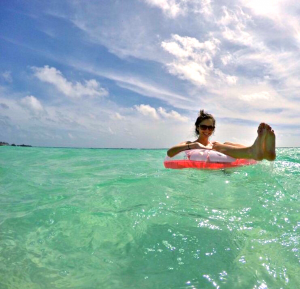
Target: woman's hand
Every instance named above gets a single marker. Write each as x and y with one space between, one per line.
186 146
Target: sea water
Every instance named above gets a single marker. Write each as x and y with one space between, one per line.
116 218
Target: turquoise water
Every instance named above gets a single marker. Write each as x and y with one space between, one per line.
100 218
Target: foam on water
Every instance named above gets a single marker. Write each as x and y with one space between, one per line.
83 218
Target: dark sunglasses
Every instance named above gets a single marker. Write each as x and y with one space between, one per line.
205 127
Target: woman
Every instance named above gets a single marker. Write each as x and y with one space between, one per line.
262 148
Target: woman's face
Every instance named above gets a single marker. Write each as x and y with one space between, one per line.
206 128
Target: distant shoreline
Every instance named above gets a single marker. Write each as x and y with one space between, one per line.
96 148
13 145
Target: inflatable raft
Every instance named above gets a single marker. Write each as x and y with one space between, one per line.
204 159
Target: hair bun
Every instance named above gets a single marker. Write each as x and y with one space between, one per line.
201 112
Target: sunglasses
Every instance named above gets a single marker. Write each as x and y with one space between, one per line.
205 127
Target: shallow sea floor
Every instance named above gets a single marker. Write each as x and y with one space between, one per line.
99 218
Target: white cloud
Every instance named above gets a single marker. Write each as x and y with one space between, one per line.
185 47
194 60
190 70
226 59
32 104
283 15
235 16
171 8
175 8
238 36
147 110
268 8
231 79
234 26
160 113
172 115
205 7
74 90
117 116
256 96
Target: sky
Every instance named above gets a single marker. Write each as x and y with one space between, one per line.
135 73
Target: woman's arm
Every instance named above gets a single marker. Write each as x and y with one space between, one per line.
183 147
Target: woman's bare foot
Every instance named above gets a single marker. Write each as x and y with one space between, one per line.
257 149
269 146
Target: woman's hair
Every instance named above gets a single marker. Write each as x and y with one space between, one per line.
203 116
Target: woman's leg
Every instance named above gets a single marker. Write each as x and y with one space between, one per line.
235 144
253 152
257 151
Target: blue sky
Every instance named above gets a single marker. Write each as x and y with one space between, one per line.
135 73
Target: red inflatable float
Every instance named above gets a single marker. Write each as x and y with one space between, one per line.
204 159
